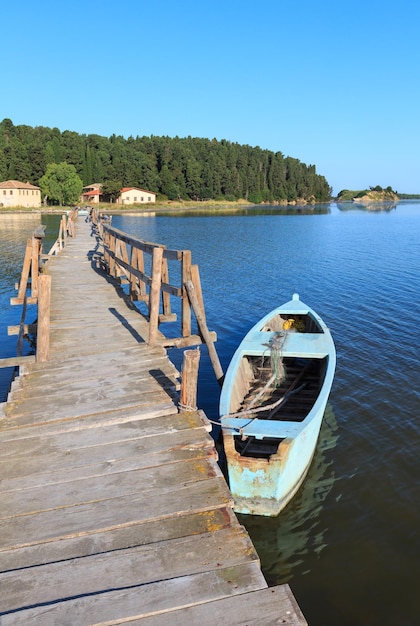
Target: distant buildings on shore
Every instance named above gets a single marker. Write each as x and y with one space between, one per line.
128 195
14 193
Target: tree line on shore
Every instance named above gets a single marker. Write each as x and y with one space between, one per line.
175 168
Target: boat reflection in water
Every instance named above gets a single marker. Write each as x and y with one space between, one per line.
284 543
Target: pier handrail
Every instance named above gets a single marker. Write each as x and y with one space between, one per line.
34 287
124 259
66 229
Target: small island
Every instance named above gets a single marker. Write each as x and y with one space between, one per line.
367 196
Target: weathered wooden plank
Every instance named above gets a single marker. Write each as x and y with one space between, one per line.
122 511
117 425
77 365
120 569
29 300
268 607
147 410
102 399
80 345
15 361
113 334
155 480
90 315
33 439
104 377
113 607
23 471
86 349
113 376
27 328
91 367
117 538
10 429
61 318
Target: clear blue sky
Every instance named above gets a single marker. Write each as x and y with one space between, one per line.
333 83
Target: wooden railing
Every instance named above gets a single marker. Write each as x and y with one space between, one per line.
34 287
144 266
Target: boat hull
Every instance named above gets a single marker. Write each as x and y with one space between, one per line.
265 486
262 483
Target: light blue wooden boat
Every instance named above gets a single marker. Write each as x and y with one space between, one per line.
272 403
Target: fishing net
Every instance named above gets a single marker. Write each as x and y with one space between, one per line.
278 369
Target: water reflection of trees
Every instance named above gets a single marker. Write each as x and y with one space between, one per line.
284 543
310 209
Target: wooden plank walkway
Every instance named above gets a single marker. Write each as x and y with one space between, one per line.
112 506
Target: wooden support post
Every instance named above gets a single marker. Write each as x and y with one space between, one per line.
72 224
166 298
106 238
124 257
19 346
201 320
44 305
154 297
35 267
112 243
142 285
16 361
185 305
58 244
63 230
188 402
23 283
69 229
195 277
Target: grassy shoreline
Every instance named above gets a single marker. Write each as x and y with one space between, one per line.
160 207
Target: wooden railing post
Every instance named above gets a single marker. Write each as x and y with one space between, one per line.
63 232
154 296
23 283
36 251
112 244
71 223
43 331
37 239
166 298
185 304
202 325
188 400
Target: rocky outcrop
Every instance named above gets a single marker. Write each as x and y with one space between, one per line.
376 196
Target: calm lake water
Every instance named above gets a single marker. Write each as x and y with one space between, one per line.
348 543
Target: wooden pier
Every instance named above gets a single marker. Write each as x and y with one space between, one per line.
113 508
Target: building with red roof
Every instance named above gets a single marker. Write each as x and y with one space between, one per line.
92 194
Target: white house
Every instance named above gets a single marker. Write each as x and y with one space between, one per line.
92 193
14 193
134 195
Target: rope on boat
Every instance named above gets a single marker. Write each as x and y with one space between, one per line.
267 407
277 366
273 408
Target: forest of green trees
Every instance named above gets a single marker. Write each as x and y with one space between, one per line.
175 168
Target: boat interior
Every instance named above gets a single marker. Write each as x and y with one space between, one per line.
289 396
302 323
